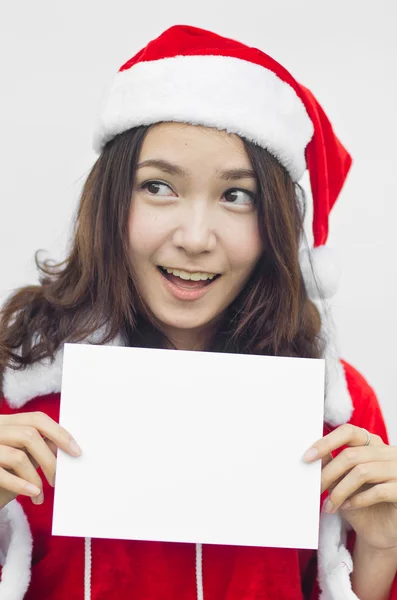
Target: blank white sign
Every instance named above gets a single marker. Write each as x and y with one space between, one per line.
190 447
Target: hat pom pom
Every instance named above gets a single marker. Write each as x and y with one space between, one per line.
321 272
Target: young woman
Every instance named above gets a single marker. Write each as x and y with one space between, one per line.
188 236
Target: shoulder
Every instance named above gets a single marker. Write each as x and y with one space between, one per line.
358 386
48 404
367 412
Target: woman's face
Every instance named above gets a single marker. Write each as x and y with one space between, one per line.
193 230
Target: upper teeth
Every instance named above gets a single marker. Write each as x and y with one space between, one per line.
193 276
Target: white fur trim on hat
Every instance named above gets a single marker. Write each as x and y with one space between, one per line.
16 552
223 92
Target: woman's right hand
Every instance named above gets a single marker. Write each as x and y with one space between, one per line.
29 441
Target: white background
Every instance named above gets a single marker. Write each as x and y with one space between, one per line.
57 60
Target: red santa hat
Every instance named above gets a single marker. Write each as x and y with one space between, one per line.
194 76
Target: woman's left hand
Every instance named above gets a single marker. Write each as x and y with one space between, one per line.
361 482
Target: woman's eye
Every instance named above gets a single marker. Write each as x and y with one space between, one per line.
157 188
240 197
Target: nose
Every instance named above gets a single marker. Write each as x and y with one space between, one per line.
195 233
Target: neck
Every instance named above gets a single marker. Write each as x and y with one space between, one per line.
188 339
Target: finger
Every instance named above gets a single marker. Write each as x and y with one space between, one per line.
29 438
326 460
17 486
333 485
345 435
53 447
361 475
384 492
6 497
47 427
350 457
24 479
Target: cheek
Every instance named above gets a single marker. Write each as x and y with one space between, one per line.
244 247
145 234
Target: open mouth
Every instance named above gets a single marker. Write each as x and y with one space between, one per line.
188 280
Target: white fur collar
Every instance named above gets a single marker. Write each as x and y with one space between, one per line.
45 377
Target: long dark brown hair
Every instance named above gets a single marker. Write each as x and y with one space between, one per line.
93 288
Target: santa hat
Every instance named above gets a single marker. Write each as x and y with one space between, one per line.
194 76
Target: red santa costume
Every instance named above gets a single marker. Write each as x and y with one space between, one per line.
194 76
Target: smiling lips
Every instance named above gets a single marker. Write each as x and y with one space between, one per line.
187 286
187 280
187 275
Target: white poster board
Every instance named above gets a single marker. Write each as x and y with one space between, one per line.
190 447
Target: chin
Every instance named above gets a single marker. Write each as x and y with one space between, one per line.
188 321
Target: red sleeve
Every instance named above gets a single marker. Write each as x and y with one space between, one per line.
48 404
39 517
366 410
368 414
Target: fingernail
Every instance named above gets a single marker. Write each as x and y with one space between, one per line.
75 448
329 507
38 499
32 489
310 455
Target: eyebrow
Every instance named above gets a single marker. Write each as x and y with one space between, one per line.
174 169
